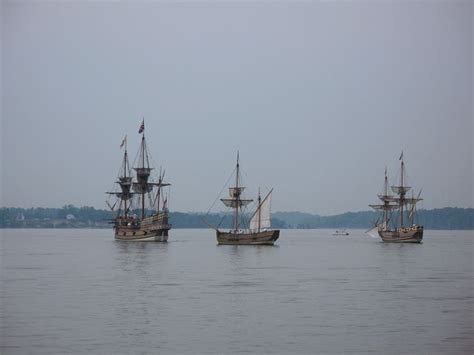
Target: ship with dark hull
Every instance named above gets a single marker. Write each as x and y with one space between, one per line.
140 215
396 231
259 230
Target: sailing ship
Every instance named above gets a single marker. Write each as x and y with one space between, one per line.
259 230
403 204
139 217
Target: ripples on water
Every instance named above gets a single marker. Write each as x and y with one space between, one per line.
79 291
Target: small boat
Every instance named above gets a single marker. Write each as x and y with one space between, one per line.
402 204
259 230
341 232
139 194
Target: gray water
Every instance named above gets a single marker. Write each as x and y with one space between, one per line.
79 291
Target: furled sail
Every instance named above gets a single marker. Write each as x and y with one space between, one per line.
125 185
142 188
400 189
230 202
387 198
143 171
399 201
235 192
262 216
412 200
384 207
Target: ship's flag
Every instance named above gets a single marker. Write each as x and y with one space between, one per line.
142 127
401 156
124 141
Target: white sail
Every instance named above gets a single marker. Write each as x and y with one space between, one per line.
262 214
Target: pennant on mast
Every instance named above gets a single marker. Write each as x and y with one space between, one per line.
142 127
124 142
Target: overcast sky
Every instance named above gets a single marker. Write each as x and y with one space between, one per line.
318 97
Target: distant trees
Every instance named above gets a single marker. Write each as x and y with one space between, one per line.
440 218
39 217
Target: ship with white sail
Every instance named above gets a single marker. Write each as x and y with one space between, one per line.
140 215
390 230
259 230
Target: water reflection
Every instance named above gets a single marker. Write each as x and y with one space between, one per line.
141 266
242 255
138 254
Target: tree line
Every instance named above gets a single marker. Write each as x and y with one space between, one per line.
70 216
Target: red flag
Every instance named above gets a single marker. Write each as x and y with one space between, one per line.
142 127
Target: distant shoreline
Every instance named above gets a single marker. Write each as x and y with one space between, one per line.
289 229
71 217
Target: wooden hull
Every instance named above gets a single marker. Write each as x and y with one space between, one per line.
150 229
403 235
257 238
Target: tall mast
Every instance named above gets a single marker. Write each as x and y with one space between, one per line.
234 200
237 196
259 210
413 203
386 207
125 182
143 165
125 176
402 195
158 193
142 186
385 210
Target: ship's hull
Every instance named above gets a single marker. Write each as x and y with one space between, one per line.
402 235
257 238
150 229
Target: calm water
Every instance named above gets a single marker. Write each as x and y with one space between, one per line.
79 291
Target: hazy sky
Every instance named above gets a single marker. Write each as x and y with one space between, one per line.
318 97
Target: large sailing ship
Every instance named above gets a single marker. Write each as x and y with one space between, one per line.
402 204
139 214
259 230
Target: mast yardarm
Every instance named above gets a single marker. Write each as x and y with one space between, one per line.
235 201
